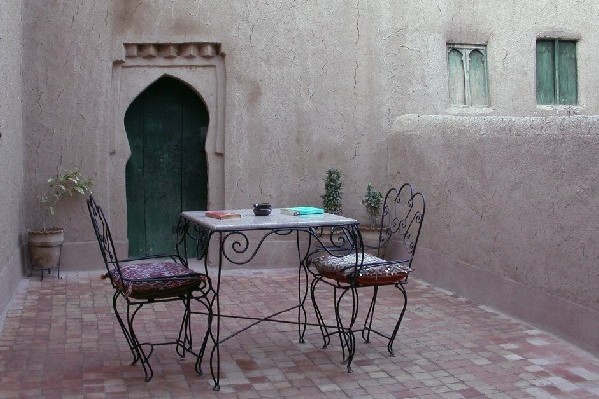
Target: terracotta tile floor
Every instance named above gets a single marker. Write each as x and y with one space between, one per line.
60 340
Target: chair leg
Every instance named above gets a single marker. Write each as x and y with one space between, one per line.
339 323
403 310
346 334
183 343
323 329
184 340
200 356
141 354
130 342
370 316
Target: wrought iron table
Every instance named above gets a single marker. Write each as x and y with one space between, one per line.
240 239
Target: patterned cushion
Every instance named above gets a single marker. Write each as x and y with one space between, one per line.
374 270
166 288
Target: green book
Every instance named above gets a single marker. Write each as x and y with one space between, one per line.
302 210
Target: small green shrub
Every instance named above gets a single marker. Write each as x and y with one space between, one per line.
372 202
331 199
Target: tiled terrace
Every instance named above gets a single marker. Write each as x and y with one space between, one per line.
60 340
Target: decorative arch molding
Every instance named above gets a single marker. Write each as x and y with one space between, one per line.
200 65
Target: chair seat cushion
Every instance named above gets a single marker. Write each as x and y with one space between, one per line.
372 271
162 280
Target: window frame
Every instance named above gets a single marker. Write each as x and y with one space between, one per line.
556 66
466 50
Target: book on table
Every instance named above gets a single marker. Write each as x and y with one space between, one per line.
302 210
222 215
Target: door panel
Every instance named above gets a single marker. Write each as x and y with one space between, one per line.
134 180
545 72
167 172
566 72
457 73
478 79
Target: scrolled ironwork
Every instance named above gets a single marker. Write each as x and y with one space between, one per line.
338 241
402 215
236 246
401 220
153 289
186 232
239 242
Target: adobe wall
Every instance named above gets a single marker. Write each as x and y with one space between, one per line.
318 84
320 93
512 213
417 42
511 188
11 150
297 102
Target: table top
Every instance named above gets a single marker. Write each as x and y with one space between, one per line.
276 220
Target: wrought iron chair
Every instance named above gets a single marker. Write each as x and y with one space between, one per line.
152 279
350 269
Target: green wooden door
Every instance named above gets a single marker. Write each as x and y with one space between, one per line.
167 173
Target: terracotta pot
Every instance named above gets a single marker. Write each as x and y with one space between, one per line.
45 247
370 236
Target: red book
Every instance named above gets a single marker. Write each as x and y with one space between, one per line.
222 215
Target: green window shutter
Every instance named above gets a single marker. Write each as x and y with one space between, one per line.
567 91
478 78
468 82
457 82
545 72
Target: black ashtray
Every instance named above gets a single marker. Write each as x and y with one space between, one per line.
262 209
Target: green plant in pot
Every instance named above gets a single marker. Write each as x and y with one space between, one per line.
372 202
45 243
371 233
331 199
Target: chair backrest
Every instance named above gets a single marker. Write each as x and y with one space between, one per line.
103 236
401 220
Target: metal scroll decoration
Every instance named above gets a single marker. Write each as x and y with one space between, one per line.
237 248
402 215
336 241
186 233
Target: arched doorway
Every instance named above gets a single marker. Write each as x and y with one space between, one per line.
167 172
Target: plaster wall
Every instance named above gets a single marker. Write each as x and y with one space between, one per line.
318 84
417 43
512 203
319 93
11 150
66 71
297 103
512 213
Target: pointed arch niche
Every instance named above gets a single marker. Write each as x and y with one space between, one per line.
200 66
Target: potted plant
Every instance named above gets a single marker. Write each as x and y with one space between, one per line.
45 243
371 232
372 202
331 199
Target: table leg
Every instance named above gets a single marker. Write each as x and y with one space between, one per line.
215 354
302 289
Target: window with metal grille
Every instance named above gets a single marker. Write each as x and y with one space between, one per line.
557 77
468 85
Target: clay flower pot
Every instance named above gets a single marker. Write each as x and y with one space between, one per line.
370 237
45 247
